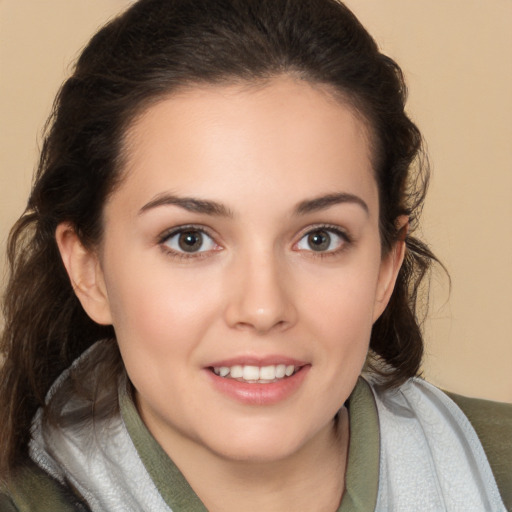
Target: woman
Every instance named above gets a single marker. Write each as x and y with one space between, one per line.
219 240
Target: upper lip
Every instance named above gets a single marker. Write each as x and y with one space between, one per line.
270 360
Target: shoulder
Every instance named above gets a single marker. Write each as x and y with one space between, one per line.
32 489
492 422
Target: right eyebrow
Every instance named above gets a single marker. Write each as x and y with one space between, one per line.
324 202
188 203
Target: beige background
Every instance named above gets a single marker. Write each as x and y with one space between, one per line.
456 55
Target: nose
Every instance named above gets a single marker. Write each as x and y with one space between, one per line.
260 295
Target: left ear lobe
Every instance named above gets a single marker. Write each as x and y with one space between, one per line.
85 274
390 266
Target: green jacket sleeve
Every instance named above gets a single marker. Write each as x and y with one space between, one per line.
6 504
492 422
33 490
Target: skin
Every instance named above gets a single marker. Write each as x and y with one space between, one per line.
256 288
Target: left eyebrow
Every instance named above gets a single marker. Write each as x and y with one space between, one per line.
324 202
190 204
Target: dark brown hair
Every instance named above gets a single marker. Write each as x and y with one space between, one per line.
154 48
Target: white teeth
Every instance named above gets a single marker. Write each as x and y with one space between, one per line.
267 372
236 372
251 373
280 371
255 373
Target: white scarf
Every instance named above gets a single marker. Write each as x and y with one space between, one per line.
430 458
99 460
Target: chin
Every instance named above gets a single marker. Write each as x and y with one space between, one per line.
260 445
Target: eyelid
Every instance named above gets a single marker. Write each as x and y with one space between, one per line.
170 233
332 228
327 227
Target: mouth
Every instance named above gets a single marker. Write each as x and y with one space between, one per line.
256 374
258 383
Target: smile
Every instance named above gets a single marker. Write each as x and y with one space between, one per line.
256 374
258 384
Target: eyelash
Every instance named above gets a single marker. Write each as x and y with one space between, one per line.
166 236
347 240
173 253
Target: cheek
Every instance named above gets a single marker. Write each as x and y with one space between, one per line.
160 319
156 310
342 311
345 297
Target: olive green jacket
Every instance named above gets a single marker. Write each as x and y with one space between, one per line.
33 490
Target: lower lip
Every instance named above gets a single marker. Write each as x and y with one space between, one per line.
259 394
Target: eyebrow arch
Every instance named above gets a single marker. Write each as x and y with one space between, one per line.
188 203
323 202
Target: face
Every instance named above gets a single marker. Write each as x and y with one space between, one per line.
241 266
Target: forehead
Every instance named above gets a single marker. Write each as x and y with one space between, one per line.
285 132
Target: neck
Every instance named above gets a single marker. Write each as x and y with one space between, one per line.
311 479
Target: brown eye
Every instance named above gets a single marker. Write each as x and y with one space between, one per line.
323 240
319 241
189 241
